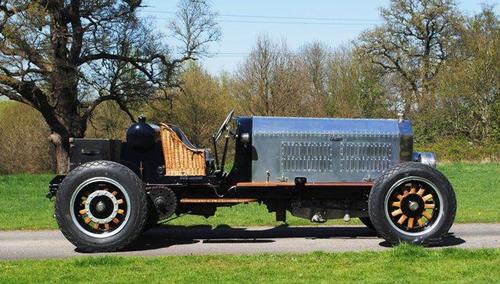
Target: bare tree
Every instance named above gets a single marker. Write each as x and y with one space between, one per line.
270 82
256 77
65 57
314 59
414 41
354 86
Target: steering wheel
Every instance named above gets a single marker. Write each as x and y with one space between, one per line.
223 127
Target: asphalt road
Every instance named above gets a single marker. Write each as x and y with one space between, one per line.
227 240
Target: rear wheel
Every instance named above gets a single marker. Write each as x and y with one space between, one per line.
413 203
101 206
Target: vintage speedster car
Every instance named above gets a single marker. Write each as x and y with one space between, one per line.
314 168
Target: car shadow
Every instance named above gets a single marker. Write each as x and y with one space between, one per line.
227 232
167 235
449 240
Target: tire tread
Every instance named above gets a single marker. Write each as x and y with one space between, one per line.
384 179
82 246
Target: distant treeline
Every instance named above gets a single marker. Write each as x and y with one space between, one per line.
435 65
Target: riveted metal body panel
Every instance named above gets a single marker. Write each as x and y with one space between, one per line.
326 149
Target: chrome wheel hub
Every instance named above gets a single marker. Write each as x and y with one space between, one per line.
100 207
97 203
413 206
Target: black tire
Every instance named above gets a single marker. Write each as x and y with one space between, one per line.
367 222
403 178
102 172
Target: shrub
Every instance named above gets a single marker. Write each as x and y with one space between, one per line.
449 150
24 146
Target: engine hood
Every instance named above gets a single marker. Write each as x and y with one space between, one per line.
265 124
327 149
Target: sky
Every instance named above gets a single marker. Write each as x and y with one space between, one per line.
297 22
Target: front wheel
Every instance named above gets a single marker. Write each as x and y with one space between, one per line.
101 206
413 203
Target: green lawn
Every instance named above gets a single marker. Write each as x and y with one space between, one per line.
23 204
404 264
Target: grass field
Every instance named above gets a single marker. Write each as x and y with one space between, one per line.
23 204
404 264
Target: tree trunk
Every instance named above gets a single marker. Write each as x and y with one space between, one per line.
65 90
61 146
64 87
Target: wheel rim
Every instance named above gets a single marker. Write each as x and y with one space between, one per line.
413 206
100 207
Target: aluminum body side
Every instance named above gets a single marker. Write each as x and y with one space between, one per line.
327 149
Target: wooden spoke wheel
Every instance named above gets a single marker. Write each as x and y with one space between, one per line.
413 205
412 202
100 207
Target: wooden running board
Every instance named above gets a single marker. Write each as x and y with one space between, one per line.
308 184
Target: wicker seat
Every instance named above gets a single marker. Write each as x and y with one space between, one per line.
181 158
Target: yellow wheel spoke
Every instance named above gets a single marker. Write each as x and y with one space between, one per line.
410 223
429 206
396 212
106 226
114 193
396 204
402 219
399 196
420 222
82 212
121 211
413 190
95 226
86 220
116 221
427 215
427 197
120 201
421 191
